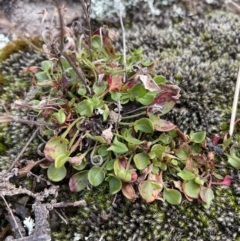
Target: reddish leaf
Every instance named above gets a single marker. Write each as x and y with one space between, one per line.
163 103
226 181
215 140
114 82
161 125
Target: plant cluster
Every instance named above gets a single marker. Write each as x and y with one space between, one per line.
103 122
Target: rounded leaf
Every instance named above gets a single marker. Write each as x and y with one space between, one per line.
172 196
60 116
141 160
191 188
115 184
61 159
149 190
118 147
78 181
186 175
96 176
56 146
129 192
197 137
144 124
207 196
56 174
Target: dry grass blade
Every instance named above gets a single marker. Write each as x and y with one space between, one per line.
234 106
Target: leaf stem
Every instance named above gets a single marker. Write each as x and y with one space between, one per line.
133 116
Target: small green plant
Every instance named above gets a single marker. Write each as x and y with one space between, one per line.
104 122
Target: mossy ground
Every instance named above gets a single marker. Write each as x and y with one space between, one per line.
201 56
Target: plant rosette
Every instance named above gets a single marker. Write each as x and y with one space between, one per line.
105 121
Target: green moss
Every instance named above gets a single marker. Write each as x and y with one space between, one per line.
17 45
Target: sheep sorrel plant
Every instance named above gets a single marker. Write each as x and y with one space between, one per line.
104 121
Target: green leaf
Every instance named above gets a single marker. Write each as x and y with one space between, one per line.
96 138
163 166
102 151
172 196
98 89
197 137
147 63
165 138
96 176
41 76
174 162
85 108
47 65
137 90
141 160
115 95
60 116
183 152
56 174
55 147
191 188
186 175
105 112
144 124
81 166
147 190
207 196
78 181
82 91
156 151
129 138
110 165
227 143
159 79
61 159
115 184
199 181
121 172
233 160
147 99
118 147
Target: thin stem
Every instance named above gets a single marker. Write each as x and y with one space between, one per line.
71 126
86 12
24 148
80 74
124 40
61 25
133 116
132 111
10 211
126 123
234 106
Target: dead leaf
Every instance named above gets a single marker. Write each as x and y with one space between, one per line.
76 144
31 70
129 192
148 82
114 117
115 82
173 88
178 185
189 164
77 160
107 135
30 165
